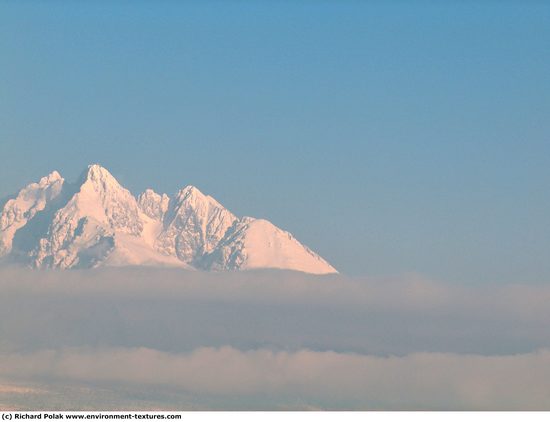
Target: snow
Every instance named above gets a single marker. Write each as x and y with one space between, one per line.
99 222
153 204
30 200
98 210
131 250
194 225
257 243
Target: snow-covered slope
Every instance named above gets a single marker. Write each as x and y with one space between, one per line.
30 200
101 223
153 204
52 224
255 243
193 225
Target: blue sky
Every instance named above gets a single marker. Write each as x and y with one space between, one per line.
390 137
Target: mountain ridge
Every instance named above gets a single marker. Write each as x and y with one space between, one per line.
96 222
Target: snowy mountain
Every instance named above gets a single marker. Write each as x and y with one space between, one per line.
19 210
96 221
255 243
193 225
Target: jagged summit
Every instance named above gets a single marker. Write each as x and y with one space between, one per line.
194 224
92 225
190 190
153 204
54 176
99 177
31 200
97 170
98 222
192 194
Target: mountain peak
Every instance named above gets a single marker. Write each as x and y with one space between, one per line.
51 178
97 172
96 221
190 191
153 204
194 224
192 196
99 178
30 200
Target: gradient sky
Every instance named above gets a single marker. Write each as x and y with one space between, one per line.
390 137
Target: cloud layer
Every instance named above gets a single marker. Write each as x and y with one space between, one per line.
319 379
277 339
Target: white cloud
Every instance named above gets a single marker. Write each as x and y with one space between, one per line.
273 339
416 381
